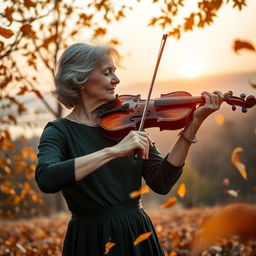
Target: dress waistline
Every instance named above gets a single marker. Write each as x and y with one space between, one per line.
103 212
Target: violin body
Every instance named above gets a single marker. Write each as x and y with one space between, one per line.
171 117
171 111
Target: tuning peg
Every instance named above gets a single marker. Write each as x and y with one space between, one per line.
230 93
233 107
242 95
244 109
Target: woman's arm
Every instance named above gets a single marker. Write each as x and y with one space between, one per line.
180 150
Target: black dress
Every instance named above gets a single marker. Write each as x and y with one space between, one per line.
102 210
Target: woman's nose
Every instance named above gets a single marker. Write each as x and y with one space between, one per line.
115 80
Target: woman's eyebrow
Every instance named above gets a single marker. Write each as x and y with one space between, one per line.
109 67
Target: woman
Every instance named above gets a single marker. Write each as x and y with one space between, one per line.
95 174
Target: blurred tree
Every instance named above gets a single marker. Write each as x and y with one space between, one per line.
34 32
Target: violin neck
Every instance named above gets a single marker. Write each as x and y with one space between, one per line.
178 100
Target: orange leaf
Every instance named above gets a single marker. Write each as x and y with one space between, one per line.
219 119
172 254
231 192
225 181
108 246
141 238
238 45
136 193
8 13
170 202
236 162
182 190
6 33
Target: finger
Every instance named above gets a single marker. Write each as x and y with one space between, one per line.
146 135
141 143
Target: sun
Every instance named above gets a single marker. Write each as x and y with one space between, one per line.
190 69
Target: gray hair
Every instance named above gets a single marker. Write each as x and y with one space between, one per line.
74 68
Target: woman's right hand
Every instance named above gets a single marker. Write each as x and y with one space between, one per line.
134 141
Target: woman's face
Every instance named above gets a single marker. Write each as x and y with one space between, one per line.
102 81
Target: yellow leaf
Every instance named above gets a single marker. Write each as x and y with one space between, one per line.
182 190
219 119
136 193
236 162
108 246
6 33
141 238
170 202
231 192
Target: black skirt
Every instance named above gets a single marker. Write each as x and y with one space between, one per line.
88 234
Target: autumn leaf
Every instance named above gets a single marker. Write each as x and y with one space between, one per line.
108 246
236 162
225 182
182 190
239 45
136 193
170 202
8 13
141 238
6 33
231 192
219 119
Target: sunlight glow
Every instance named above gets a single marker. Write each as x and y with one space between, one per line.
190 69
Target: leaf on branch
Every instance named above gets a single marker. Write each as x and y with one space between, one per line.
12 118
239 4
27 31
6 33
1 45
239 45
8 13
6 81
169 203
99 32
29 4
189 22
141 238
23 90
21 108
236 162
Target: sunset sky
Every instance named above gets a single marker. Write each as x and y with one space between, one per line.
204 51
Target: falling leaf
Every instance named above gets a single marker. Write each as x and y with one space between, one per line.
182 190
238 45
108 246
141 238
225 181
236 162
170 202
136 193
6 33
231 192
219 119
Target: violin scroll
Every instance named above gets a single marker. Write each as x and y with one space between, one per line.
242 101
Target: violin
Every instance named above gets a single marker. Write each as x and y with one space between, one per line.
171 111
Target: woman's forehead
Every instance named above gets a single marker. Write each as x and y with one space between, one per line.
106 61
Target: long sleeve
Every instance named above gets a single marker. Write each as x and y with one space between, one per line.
159 174
53 172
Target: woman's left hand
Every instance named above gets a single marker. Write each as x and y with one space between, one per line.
212 103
